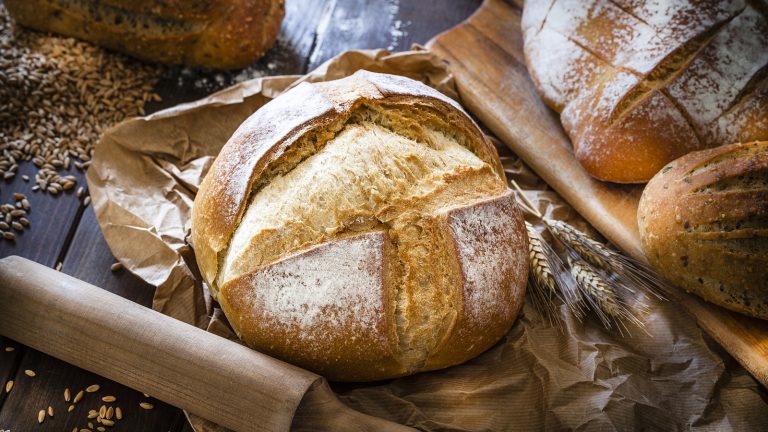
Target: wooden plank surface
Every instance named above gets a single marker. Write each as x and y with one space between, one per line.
63 231
487 58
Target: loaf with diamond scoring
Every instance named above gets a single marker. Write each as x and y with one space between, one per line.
641 83
363 229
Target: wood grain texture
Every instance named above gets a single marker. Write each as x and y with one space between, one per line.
146 350
486 56
88 258
391 24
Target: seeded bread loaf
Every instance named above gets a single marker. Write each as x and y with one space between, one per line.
363 229
704 225
639 84
220 34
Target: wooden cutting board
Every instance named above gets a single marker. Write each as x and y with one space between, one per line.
486 56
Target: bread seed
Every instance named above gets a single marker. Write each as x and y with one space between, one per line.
71 408
90 425
17 226
9 235
146 405
116 266
92 388
107 422
67 395
29 373
93 414
50 411
102 411
110 413
101 428
118 413
41 416
59 265
78 396
9 349
109 399
8 386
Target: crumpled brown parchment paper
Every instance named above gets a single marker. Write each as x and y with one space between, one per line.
143 180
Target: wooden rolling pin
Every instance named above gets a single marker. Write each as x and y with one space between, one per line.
207 375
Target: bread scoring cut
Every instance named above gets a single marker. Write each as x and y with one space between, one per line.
373 237
639 84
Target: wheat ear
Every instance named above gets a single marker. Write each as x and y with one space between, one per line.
632 274
548 276
603 299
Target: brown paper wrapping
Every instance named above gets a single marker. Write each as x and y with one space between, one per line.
143 180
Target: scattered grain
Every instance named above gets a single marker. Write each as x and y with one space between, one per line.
29 373
59 265
50 411
78 397
110 413
67 395
116 266
107 422
9 349
146 405
8 386
93 388
118 413
41 416
87 201
55 101
102 411
109 399
71 408
101 428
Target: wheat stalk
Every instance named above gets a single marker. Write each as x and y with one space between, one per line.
547 277
602 297
599 276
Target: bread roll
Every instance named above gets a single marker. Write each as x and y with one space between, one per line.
704 225
363 229
639 84
220 34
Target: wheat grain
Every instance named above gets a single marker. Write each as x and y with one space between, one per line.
41 416
92 388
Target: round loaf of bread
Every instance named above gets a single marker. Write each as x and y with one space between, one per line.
362 229
704 225
641 83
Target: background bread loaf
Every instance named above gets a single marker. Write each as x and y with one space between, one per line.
704 225
639 84
362 228
221 34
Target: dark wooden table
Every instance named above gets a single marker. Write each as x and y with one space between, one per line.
64 232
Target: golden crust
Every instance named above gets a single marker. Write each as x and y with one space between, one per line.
353 305
640 84
221 34
704 225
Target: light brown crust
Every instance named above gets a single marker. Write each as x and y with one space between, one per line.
220 34
704 225
469 227
268 134
639 84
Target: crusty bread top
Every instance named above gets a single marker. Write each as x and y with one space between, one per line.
290 128
222 34
703 221
639 84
